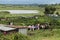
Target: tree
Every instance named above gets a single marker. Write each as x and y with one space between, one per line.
49 10
57 13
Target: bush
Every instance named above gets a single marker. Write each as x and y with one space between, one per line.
15 36
4 12
21 37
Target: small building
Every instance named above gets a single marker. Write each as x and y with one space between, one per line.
21 29
5 29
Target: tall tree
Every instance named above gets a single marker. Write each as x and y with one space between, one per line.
50 10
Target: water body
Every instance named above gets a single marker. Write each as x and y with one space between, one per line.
21 11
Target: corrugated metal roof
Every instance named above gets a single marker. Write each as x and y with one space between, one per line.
5 28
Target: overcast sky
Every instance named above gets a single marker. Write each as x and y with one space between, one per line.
29 1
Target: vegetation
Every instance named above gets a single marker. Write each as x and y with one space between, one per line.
45 35
29 19
4 12
57 13
14 36
50 10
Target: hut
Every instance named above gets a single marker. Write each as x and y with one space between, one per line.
5 29
21 29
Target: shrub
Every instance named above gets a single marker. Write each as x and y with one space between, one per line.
14 36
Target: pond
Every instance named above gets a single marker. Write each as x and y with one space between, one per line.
22 11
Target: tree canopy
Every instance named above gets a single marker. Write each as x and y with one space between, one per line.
49 10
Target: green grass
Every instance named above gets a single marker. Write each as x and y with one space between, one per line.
22 8
17 15
46 35
41 9
14 15
14 36
19 7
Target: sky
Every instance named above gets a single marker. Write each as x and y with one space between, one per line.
29 1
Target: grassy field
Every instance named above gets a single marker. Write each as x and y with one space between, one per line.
46 35
2 7
11 7
41 9
17 15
